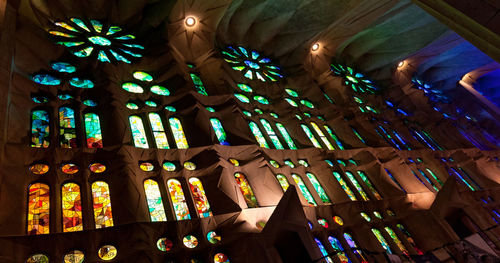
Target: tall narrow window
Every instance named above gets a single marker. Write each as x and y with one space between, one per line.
93 130
38 209
272 134
102 205
381 240
283 182
198 84
396 240
354 247
179 136
428 180
304 190
40 129
71 208
155 203
158 131
178 200
369 185
138 132
394 180
334 137
200 198
358 135
434 176
410 239
246 190
335 243
357 185
219 131
322 136
285 135
469 178
67 127
258 135
319 189
323 251
311 136
344 186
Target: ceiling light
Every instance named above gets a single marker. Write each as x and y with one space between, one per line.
190 21
315 47
401 64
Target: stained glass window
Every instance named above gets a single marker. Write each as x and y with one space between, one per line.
283 182
335 243
369 185
71 208
397 241
319 189
311 136
357 185
74 256
93 130
158 131
323 251
355 80
102 205
271 133
305 192
200 198
381 240
287 136
358 135
242 98
190 241
155 203
219 131
410 239
246 190
252 64
38 258
38 209
138 132
213 237
244 87
366 216
344 186
357 252
434 176
67 127
221 258
178 200
40 129
198 84
334 137
164 244
394 180
39 168
428 180
132 87
179 136
258 135
107 252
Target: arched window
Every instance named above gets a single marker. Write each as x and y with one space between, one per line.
178 132
396 240
344 186
219 131
178 200
334 137
67 127
158 131
155 203
305 192
272 134
323 251
285 135
40 129
138 132
246 190
319 189
369 185
200 198
283 182
93 130
381 240
311 136
102 205
198 84
71 207
258 135
322 136
38 209
357 185
335 243
354 247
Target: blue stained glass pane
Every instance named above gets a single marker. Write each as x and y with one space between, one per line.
46 79
100 41
103 57
243 51
90 103
81 83
40 129
80 23
84 52
113 29
63 67
119 57
252 64
219 131
97 25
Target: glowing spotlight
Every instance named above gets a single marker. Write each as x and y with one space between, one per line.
190 21
315 47
401 64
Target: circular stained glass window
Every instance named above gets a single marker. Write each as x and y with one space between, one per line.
323 222
190 166
75 256
107 252
274 163
252 64
221 258
39 168
70 168
169 166
164 244
338 220
97 168
147 167
190 241
234 162
213 238
38 258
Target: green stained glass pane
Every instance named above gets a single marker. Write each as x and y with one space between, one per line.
40 129
119 57
334 136
142 76
303 189
397 241
130 53
261 99
179 136
46 79
259 111
369 185
246 190
210 109
133 46
288 138
274 163
80 23
247 113
63 67
160 90
169 166
290 163
381 240
366 216
319 189
291 102
307 103
434 176
242 98
90 103
100 41
283 182
219 131
103 57
81 83
330 163
358 135
170 108
307 114
151 103
93 130
337 246
198 84
357 185
84 52
310 136
64 96
96 25
298 117
344 185
274 115
132 87
272 134
303 163
158 130
154 200
138 132
125 37
244 87
113 29
61 34
292 93
132 106
70 44
322 136
358 100
67 128
258 135
377 214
